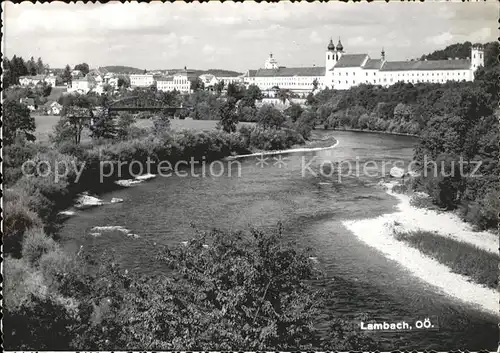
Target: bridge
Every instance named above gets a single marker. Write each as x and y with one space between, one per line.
141 104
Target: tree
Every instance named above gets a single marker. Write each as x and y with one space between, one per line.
123 82
294 111
40 67
66 75
83 67
77 114
197 85
161 124
235 91
242 290
283 95
219 86
17 120
228 116
305 123
270 117
315 85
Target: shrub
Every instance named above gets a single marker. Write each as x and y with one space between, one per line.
18 218
35 244
21 283
484 212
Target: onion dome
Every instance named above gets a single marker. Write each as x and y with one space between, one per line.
330 45
339 46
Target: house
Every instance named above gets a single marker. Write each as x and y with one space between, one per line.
209 80
54 108
53 80
29 102
82 85
31 80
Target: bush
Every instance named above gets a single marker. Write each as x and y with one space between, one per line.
18 218
484 212
21 282
35 244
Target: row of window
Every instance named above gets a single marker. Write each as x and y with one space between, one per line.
434 80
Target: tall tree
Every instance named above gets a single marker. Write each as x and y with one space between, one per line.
31 66
83 67
17 119
228 116
40 67
66 75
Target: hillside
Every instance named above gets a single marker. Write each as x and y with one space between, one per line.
117 69
462 51
215 72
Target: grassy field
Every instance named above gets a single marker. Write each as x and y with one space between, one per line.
45 125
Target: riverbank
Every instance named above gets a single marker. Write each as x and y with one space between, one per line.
382 234
312 146
370 131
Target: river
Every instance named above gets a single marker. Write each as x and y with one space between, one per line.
312 208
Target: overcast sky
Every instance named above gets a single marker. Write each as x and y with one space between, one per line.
237 36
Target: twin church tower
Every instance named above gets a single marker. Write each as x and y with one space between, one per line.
333 54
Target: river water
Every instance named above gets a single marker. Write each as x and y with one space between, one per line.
311 206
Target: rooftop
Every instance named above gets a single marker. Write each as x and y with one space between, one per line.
288 71
458 64
373 64
351 60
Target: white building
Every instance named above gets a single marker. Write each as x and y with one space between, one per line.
343 71
180 81
54 108
346 70
34 80
82 85
142 80
299 80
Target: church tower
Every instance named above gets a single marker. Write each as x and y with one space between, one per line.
271 63
330 57
477 56
340 50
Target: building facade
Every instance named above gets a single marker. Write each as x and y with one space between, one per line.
142 80
180 81
299 80
343 71
82 85
34 80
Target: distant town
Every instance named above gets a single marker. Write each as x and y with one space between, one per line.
342 71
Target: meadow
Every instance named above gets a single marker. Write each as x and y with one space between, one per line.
45 125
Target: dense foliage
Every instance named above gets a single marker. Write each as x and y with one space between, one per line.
221 291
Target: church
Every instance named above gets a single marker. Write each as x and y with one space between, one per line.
343 71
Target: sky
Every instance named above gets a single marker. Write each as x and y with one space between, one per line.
236 36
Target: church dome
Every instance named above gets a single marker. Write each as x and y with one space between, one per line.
330 45
340 47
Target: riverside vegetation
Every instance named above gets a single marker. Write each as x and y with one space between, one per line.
245 290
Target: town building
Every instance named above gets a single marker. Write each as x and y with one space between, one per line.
298 80
34 80
343 71
142 80
82 85
181 81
